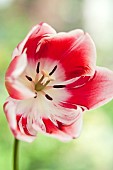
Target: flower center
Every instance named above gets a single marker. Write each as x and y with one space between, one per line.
45 79
40 83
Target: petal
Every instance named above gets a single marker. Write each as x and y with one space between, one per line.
96 92
74 50
65 124
32 40
16 89
18 50
64 132
17 65
74 129
66 113
80 81
54 131
13 118
26 119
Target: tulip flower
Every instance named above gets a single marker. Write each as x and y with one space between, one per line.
51 80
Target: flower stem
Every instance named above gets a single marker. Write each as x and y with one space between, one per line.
15 154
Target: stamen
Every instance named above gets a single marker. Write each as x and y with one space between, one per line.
53 70
41 78
29 78
47 82
59 86
48 97
47 75
37 69
35 95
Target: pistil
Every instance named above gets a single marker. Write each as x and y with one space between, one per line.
39 85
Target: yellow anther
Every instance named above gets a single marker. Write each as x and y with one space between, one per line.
46 74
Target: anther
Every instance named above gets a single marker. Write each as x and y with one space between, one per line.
37 69
29 78
53 70
35 95
59 86
48 97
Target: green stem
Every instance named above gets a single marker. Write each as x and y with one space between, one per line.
15 155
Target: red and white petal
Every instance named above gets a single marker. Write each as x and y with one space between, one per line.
15 88
65 113
42 109
40 30
19 49
76 82
56 120
55 132
32 39
64 132
17 66
13 120
74 129
74 50
96 92
18 91
27 117
38 124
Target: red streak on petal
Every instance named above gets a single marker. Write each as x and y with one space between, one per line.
18 119
12 66
50 127
24 125
68 105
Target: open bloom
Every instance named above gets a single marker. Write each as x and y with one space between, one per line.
51 80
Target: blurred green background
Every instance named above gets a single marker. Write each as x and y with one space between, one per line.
93 150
